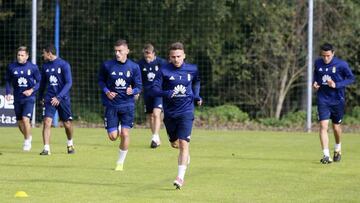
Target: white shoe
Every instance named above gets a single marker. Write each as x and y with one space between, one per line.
27 146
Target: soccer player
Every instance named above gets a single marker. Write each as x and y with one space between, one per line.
179 85
150 66
24 77
57 80
119 80
331 76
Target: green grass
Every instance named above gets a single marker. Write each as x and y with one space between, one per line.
226 166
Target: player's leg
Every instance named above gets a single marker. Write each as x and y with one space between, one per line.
111 123
337 114
184 129
126 119
66 116
156 115
324 115
24 123
46 132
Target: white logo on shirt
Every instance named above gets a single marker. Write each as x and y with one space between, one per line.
113 73
172 78
120 83
179 91
156 68
53 80
189 77
128 74
29 72
334 69
150 76
325 78
47 70
15 73
59 70
320 69
22 82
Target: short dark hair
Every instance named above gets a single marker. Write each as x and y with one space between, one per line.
23 48
120 42
176 46
149 47
50 49
327 47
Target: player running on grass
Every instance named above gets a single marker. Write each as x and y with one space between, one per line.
57 81
331 76
150 66
179 85
119 80
24 77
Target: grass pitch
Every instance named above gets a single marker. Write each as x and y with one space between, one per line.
226 166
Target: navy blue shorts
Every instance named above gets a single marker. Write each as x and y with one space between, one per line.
24 110
179 127
152 102
64 110
115 116
333 112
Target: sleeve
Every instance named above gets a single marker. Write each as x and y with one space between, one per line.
315 75
37 77
68 81
8 81
137 80
196 86
348 77
42 83
102 78
157 87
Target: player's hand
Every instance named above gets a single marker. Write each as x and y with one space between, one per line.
9 97
28 92
199 102
316 85
129 90
331 83
111 95
136 96
55 101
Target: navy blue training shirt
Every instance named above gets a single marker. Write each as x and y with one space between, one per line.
149 71
337 70
56 79
116 77
22 77
179 87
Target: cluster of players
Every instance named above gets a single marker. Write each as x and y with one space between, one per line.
170 86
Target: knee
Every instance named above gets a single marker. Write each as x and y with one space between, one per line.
47 122
67 124
175 144
113 136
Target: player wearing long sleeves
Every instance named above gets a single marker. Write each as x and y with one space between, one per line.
24 77
57 82
179 85
331 76
119 80
150 66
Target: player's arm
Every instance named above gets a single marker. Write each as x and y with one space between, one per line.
316 85
42 84
157 89
137 82
68 81
8 84
348 77
102 83
196 88
37 79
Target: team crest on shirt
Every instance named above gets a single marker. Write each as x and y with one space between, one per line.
22 82
188 77
334 69
128 73
156 68
59 70
29 72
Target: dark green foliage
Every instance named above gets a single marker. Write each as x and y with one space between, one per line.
222 114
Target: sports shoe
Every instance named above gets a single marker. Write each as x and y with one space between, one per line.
154 144
119 167
45 152
326 160
337 156
178 183
27 146
70 149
